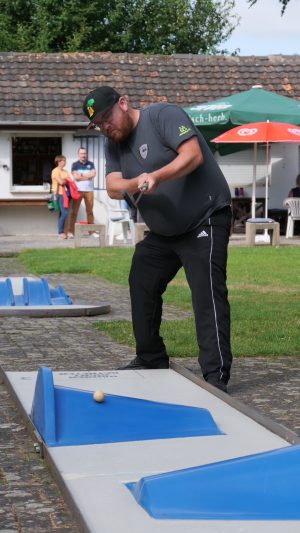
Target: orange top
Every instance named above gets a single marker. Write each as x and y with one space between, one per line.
62 174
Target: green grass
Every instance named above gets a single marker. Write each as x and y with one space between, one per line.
111 264
263 285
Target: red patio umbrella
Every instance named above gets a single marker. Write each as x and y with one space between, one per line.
261 132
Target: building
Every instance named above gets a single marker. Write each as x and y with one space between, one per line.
41 116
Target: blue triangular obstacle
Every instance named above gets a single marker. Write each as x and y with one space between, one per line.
264 486
68 417
43 405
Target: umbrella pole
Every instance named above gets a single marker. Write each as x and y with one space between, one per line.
253 202
267 183
266 236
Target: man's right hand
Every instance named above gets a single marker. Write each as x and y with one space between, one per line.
147 183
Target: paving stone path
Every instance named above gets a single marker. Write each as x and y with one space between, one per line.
30 501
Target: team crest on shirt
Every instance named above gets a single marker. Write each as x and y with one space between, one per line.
143 150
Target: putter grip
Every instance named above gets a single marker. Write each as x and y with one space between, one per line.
144 187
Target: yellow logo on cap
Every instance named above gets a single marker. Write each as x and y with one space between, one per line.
89 107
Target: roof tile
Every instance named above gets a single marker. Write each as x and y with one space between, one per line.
40 87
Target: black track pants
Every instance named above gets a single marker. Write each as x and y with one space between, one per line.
203 255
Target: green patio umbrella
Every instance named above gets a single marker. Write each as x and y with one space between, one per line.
254 105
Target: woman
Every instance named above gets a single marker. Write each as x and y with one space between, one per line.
60 178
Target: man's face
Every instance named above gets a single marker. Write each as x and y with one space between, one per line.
82 156
116 123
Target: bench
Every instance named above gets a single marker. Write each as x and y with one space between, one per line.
252 227
82 229
23 202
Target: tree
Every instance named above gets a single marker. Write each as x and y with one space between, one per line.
146 26
283 2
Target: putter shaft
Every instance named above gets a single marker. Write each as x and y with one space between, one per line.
130 200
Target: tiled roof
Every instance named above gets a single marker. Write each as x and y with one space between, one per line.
41 87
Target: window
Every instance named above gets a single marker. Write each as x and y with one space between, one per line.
33 159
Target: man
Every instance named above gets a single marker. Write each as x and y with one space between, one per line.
83 172
186 205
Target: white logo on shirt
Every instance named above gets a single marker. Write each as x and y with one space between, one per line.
143 150
202 234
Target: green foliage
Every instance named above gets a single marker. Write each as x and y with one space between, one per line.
284 4
141 26
264 294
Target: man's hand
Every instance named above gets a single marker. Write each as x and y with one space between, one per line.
147 183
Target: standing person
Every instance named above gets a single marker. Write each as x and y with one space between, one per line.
295 193
59 178
83 172
187 206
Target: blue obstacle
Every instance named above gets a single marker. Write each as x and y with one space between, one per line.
36 292
68 417
7 298
264 486
59 296
43 407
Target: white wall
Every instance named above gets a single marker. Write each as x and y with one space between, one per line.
27 220
284 172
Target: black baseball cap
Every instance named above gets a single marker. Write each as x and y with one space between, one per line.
98 101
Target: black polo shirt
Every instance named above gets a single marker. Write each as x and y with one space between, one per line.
179 205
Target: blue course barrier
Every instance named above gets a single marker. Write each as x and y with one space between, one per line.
59 296
36 292
43 406
264 486
68 417
7 298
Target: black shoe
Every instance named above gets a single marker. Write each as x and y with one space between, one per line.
139 364
221 385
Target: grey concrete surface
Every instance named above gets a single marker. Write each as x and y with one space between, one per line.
30 501
16 243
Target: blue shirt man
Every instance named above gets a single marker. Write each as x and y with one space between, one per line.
83 173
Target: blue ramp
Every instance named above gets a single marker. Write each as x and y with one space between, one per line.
264 486
68 417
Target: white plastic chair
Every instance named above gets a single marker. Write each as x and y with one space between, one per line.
293 205
118 214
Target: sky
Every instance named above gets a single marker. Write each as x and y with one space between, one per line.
263 31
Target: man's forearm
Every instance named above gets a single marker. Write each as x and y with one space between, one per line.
116 185
80 176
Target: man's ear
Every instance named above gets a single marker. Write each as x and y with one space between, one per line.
123 103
